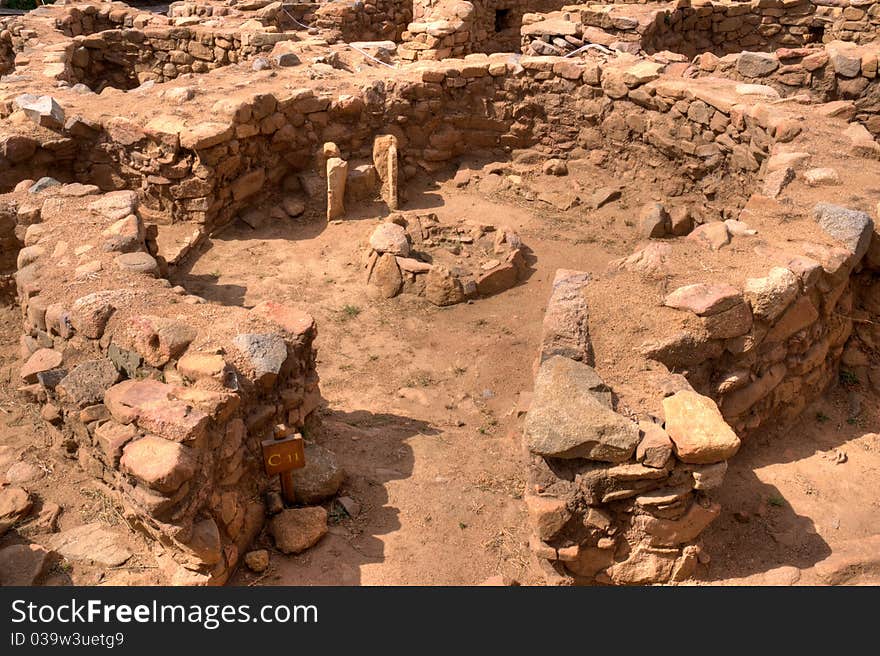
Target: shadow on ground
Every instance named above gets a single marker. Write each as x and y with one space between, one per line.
354 542
778 469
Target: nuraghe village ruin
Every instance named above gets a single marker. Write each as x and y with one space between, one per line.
542 293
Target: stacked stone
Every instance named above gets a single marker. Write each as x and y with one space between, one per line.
446 32
127 58
396 262
258 141
836 71
162 397
612 499
769 348
849 20
371 20
88 19
185 9
716 27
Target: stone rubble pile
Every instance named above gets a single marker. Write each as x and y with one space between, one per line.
447 264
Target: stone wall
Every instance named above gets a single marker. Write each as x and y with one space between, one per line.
612 499
161 396
717 27
839 71
26 155
620 493
848 20
366 20
88 19
453 28
125 59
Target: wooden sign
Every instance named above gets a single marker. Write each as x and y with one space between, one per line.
283 455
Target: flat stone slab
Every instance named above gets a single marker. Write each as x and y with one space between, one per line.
90 542
571 415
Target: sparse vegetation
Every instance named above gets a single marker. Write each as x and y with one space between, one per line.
349 312
848 378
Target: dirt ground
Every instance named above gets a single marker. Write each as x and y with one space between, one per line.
422 409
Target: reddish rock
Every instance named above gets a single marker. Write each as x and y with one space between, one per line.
112 437
87 382
42 360
89 315
655 449
497 280
196 366
565 330
801 314
293 320
669 532
15 504
154 406
697 429
645 565
23 564
589 561
547 515
162 464
713 235
297 529
704 299
731 323
159 340
442 287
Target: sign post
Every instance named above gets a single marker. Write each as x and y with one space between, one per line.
281 456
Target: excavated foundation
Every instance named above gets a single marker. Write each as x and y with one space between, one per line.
753 273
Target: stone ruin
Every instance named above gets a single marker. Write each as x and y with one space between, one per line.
128 137
447 264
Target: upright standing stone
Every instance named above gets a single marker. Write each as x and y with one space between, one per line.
385 161
337 172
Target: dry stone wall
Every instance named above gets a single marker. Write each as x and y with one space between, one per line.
689 29
125 59
169 414
840 73
159 395
370 20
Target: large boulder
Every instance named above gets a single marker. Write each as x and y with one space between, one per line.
571 415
